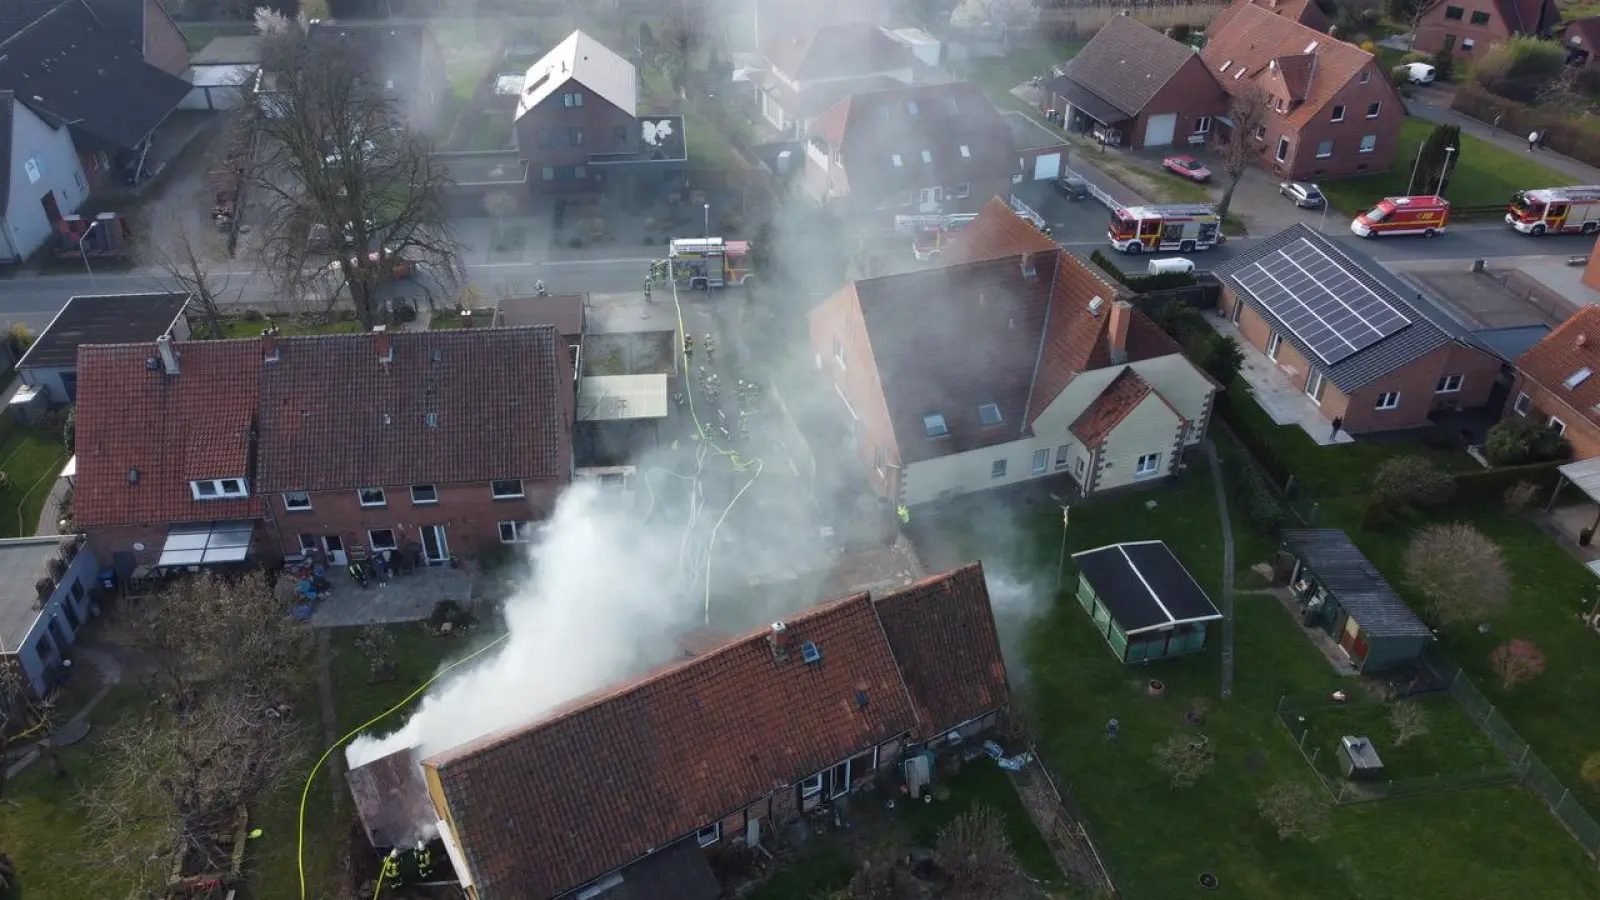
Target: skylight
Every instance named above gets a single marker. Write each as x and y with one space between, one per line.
1577 378
1311 46
895 158
1225 66
1238 74
989 413
927 156
933 423
966 152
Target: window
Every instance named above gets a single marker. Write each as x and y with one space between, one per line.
506 489
964 189
1366 76
911 107
572 99
575 136
1556 425
1202 125
927 156
1369 143
1467 44
1479 17
371 497
1454 13
1522 405
1338 113
1225 66
545 138
1387 400
1449 384
838 352
1324 149
423 494
989 413
547 173
1078 467
1148 464
1283 149
1374 108
1061 456
933 424
308 543
620 134
1261 132
709 836
515 532
381 539
219 488
1278 104
1274 341
1577 378
997 469
296 500
966 152
811 786
895 158
1041 461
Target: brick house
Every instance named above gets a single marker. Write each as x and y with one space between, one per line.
919 149
1581 37
725 748
439 443
809 71
1461 27
1556 385
1395 373
1305 12
405 57
1334 111
1013 361
1591 270
1134 87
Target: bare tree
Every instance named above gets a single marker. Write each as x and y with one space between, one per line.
1516 661
1241 149
1562 94
1409 721
1185 757
341 175
187 269
1295 810
1006 15
1459 571
976 854
21 712
683 31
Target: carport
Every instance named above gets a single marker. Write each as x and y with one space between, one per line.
618 416
1086 113
1584 474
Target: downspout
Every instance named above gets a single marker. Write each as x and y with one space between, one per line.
1044 335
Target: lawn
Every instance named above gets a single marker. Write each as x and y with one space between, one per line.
468 49
998 75
708 148
31 458
1453 745
240 327
1484 174
450 319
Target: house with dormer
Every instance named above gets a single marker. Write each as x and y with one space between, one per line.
1014 361
808 72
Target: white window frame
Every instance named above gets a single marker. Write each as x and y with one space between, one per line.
432 499
1374 109
308 543
997 469
1261 133
1522 405
1393 398
1041 461
988 412
1366 76
296 496
1325 154
1062 456
219 488
496 494
1202 125
1338 113
1147 465
519 532
1078 467
895 158
934 426
880 459
1467 44
1449 384
1369 143
372 539
1274 341
362 497
1556 425
966 152
709 835
811 786
838 353
962 190
1283 149
927 156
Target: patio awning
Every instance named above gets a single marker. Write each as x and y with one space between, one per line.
1585 476
622 398
206 543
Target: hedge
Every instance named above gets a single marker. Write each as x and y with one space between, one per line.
1490 485
1165 281
1560 133
1258 449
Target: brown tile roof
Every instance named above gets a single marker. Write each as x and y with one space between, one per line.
333 417
996 232
1252 37
943 634
871 129
391 799
1127 62
564 311
1294 74
168 429
841 50
1305 12
1571 348
1121 397
1588 29
552 806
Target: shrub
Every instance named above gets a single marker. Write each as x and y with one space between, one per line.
1405 483
405 312
1443 66
1409 720
1294 810
1459 572
1185 757
1262 507
1516 661
56 567
69 428
1519 497
1517 442
1412 56
1591 770
254 315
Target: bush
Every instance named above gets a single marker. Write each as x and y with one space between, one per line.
1519 497
1488 486
69 429
1562 135
1262 506
1407 482
1369 47
1518 442
1412 56
254 315
1520 56
1444 64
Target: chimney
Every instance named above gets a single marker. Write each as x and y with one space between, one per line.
466 318
169 356
778 640
383 343
269 344
1121 313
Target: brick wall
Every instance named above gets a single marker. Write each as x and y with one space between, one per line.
1591 272
1436 29
106 540
1345 136
164 45
1581 433
837 325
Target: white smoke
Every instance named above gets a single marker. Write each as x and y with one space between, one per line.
1015 603
599 605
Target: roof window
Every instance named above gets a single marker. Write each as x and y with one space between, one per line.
933 424
1577 378
1225 66
989 413
927 156
1238 73
966 152
895 158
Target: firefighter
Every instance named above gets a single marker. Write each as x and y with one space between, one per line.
424 858
904 512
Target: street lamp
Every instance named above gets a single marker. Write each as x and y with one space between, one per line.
707 234
1448 152
84 251
1061 564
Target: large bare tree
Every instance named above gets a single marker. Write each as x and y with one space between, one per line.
683 31
1242 148
1459 571
187 268
343 183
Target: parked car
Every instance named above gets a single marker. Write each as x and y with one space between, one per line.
1304 194
1188 167
1072 187
1419 73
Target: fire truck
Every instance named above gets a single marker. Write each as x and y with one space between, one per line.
1563 210
698 263
1185 227
930 234
1426 216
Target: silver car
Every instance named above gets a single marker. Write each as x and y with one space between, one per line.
1304 194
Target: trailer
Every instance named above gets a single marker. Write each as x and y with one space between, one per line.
106 237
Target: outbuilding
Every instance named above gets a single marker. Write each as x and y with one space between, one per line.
44 604
51 363
1343 594
1143 601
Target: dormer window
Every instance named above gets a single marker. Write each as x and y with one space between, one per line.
934 425
1576 378
219 488
966 152
895 158
989 414
927 156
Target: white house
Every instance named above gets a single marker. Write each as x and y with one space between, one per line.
44 180
807 73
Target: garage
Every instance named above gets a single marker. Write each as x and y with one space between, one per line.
1046 165
1159 130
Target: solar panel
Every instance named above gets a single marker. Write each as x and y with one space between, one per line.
1325 306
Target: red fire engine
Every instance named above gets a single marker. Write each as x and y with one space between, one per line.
930 234
1426 216
1563 210
1185 227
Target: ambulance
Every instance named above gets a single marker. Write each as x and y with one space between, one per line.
703 263
1152 229
1563 210
1426 216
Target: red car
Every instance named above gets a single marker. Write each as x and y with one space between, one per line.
1188 167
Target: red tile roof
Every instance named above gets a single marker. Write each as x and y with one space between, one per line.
1571 348
144 435
555 805
1121 397
1305 12
996 232
942 631
871 129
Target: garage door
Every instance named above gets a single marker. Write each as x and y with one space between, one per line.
1158 130
1047 165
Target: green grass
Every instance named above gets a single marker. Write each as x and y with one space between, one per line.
31 457
998 75
1453 745
1484 174
199 34
249 328
450 319
821 869
468 51
707 148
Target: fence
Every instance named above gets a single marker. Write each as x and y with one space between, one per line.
1062 826
1094 191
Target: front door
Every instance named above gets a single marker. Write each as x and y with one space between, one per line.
52 209
333 545
434 548
1314 385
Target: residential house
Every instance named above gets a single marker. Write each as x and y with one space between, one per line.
1581 37
1014 361
41 614
922 149
1306 12
567 312
1336 326
51 362
779 20
722 749
1132 86
1333 111
1555 383
405 56
808 71
107 70
435 444
1461 27
1341 593
44 179
578 119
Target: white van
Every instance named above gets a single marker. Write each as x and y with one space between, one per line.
1419 73
1175 265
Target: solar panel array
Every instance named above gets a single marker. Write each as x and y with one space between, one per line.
1327 308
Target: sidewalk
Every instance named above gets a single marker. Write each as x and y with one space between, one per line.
1432 105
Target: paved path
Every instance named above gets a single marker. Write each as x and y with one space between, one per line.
1434 105
1227 567
110 675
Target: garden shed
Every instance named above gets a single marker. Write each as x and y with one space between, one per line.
1143 601
1343 594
